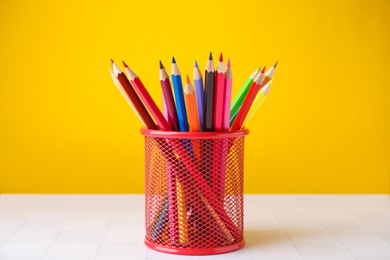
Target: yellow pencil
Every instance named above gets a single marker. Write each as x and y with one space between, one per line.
260 97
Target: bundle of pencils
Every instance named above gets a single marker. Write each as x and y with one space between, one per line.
202 106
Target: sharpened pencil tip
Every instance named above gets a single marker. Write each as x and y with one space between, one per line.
276 64
161 65
124 64
220 57
262 71
196 64
173 60
112 61
228 64
211 56
188 79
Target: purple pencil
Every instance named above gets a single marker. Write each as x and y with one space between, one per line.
199 93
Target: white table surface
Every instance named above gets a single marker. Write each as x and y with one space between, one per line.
277 227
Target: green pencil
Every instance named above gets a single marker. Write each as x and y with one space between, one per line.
237 102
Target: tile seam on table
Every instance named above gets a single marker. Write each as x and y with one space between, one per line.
334 238
50 241
99 240
283 231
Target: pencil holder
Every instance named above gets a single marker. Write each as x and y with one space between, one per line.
194 191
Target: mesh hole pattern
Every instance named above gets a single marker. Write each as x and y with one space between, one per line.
194 191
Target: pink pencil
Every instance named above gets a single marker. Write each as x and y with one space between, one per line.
221 178
228 97
219 95
147 99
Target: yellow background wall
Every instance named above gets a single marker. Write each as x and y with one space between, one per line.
325 127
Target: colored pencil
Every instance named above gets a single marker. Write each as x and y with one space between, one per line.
192 111
172 199
209 94
147 99
122 91
237 102
182 214
179 97
225 127
168 97
199 93
246 105
269 74
219 95
135 100
162 220
228 97
164 108
260 97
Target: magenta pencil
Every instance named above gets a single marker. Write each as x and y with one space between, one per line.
168 97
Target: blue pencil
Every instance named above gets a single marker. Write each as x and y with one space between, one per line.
179 97
161 223
199 94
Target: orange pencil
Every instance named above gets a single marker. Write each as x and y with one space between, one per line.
192 113
192 110
269 74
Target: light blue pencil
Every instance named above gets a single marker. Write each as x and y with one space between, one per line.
199 94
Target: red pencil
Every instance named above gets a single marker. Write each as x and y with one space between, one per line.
147 99
138 105
246 105
219 95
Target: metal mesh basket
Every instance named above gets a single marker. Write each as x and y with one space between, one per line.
194 191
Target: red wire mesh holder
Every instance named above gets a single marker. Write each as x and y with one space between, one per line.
194 191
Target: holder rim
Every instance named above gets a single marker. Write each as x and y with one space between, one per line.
192 251
193 135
